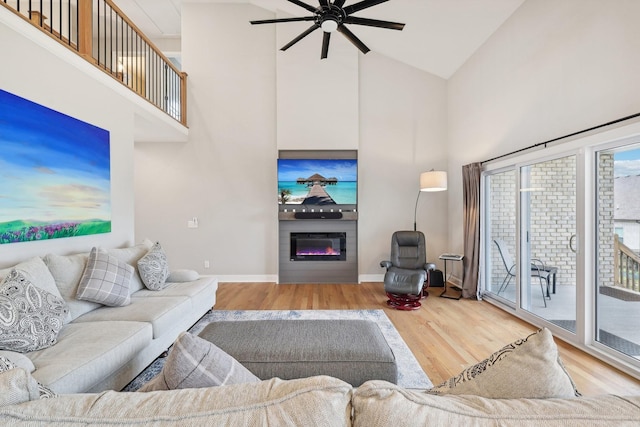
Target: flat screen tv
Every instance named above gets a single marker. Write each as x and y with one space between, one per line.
318 182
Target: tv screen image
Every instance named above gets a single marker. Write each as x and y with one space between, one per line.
317 182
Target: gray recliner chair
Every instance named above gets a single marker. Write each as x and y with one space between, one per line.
406 279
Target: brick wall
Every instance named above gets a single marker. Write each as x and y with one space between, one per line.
605 214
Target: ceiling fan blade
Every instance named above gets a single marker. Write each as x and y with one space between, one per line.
274 21
300 37
324 3
361 5
338 3
353 39
302 4
374 23
325 45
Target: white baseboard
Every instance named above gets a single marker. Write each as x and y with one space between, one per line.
258 278
371 278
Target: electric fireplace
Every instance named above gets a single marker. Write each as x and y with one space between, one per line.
318 246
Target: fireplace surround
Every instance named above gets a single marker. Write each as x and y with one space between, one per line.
321 267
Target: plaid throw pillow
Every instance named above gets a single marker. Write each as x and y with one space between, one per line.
195 363
105 280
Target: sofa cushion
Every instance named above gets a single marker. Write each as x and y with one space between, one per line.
153 268
315 401
130 255
67 271
185 289
6 365
105 280
379 403
37 272
89 352
527 368
196 363
161 312
30 317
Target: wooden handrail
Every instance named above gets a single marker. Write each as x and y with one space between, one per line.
141 34
626 266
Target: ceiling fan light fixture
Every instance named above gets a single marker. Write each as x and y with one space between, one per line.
329 25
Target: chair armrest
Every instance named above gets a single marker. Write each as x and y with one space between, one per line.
537 264
537 261
385 264
429 266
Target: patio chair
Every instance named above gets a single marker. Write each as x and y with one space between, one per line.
537 270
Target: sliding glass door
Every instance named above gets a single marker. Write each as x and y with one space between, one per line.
500 231
548 242
617 249
561 241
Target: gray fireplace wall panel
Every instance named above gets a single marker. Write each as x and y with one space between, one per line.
319 271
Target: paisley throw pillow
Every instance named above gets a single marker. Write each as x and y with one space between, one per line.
30 317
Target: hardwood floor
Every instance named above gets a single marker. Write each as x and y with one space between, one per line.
445 335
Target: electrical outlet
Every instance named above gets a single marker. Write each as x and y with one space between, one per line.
193 223
207 264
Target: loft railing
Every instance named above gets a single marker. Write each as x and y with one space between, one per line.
627 266
103 35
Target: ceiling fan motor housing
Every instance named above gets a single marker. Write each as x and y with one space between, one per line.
330 18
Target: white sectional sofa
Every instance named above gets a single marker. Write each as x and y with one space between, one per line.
104 348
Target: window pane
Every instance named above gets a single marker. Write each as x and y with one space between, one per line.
501 230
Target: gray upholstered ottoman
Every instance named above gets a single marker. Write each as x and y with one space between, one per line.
353 350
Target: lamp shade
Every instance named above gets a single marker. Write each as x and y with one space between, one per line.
433 181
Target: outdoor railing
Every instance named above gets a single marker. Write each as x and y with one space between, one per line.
103 35
627 266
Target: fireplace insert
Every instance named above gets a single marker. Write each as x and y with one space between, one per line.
318 246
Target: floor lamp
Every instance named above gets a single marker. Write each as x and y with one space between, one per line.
429 181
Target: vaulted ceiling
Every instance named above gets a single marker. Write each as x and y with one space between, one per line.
439 36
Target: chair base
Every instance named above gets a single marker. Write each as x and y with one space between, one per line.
404 301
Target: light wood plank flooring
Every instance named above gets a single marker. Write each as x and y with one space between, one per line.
445 335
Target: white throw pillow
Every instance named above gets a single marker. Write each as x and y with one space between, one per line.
153 268
179 276
30 317
7 365
105 280
528 368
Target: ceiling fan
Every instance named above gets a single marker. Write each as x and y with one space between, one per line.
332 17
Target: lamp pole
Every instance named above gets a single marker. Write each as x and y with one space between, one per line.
415 212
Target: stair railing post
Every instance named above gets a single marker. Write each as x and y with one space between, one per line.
85 29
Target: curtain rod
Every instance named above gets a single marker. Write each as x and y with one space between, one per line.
562 137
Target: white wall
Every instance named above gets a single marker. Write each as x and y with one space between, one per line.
552 69
242 94
37 68
225 175
403 133
317 99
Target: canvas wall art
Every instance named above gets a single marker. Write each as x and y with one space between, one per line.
54 174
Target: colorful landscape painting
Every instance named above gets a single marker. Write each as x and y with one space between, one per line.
54 174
